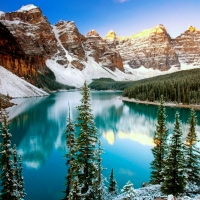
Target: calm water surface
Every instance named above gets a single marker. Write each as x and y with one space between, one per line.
125 129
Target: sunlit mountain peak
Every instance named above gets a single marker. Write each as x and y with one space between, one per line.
192 29
159 29
111 35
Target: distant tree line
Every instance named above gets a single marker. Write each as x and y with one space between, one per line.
109 84
180 87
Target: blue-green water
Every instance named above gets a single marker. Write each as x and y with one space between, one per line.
125 129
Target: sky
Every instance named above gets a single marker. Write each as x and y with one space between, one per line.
125 17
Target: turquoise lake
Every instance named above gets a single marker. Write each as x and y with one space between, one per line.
126 129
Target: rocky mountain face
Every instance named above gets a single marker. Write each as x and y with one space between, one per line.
100 51
33 33
150 48
13 58
28 41
79 47
187 46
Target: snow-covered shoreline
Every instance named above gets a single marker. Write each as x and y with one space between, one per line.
196 107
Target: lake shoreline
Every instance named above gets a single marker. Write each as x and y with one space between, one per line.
196 107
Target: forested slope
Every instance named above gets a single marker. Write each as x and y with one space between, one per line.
109 84
180 87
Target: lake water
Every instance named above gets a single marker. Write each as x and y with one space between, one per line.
125 129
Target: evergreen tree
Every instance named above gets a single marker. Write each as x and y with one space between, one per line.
160 141
1 112
112 188
173 172
15 171
86 147
21 189
101 189
75 192
192 152
7 178
128 190
70 142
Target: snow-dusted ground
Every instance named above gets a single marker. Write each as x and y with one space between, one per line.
12 85
152 191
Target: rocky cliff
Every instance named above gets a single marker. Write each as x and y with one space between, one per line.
79 47
102 53
150 48
13 58
33 32
27 40
187 46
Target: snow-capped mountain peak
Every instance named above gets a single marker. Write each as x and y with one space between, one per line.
27 8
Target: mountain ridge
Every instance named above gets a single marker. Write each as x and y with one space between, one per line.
74 58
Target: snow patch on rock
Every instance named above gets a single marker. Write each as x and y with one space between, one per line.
1 13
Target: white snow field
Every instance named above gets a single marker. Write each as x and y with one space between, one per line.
12 85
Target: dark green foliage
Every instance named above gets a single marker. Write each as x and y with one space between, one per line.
160 141
49 83
109 84
192 151
7 177
100 186
70 141
12 184
112 188
87 140
183 86
15 170
75 192
173 171
21 189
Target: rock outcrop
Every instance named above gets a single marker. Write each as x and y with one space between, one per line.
13 58
100 50
150 48
187 46
33 32
79 47
28 40
71 39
